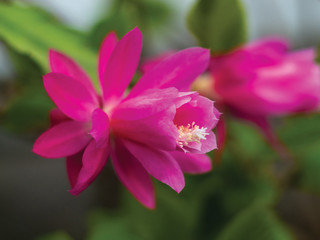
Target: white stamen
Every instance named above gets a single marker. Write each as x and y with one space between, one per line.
191 133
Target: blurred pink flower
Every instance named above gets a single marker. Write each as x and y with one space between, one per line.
157 129
262 80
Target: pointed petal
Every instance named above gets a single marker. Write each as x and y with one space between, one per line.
178 70
133 176
70 96
221 133
157 131
64 139
93 161
152 62
150 102
100 128
209 144
200 110
60 63
74 165
159 164
56 117
192 163
105 51
121 66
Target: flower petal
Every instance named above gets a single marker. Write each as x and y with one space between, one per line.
159 164
192 163
199 110
70 96
152 62
121 66
64 139
56 117
60 63
93 161
150 102
133 176
74 165
100 128
178 70
106 49
157 130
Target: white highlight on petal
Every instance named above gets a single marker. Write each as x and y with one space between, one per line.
191 133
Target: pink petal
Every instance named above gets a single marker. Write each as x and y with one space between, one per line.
205 145
100 128
199 110
64 139
209 144
56 117
193 163
121 66
74 165
106 49
152 62
159 164
221 133
157 130
150 102
70 96
133 176
178 70
93 161
60 63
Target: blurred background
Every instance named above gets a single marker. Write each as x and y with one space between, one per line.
251 194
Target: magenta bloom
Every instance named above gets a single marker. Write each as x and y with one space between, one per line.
263 79
157 129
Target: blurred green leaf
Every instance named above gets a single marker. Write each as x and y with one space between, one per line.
55 236
255 222
301 135
33 32
27 110
175 216
218 24
105 225
127 14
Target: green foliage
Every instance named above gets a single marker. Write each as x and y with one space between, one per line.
218 24
27 111
301 135
255 222
106 225
33 32
127 14
60 235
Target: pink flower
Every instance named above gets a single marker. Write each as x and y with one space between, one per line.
263 80
157 129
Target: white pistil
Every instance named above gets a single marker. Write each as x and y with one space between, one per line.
191 133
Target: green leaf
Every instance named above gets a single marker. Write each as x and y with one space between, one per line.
28 112
55 236
218 24
33 32
28 107
255 222
175 216
106 225
126 14
302 136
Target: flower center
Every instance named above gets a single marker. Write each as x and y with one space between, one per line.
191 133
